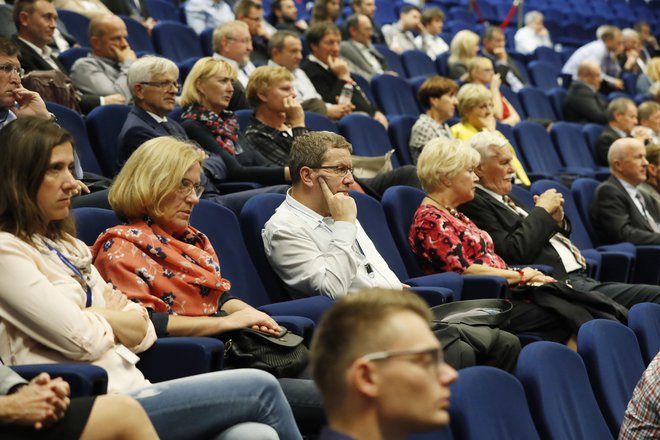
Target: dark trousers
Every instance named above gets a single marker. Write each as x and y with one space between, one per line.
625 294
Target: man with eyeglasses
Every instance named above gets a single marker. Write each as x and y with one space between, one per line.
251 13
389 378
15 100
232 43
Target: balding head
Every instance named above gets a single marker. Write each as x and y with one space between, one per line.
108 36
589 73
627 159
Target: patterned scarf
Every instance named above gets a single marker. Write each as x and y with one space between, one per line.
224 126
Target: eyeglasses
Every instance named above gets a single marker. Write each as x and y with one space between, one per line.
240 40
432 358
10 68
162 84
339 170
187 188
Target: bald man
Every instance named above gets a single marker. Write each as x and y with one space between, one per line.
583 103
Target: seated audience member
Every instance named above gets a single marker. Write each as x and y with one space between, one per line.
137 10
480 71
232 43
366 394
494 49
88 8
286 51
338 258
630 58
583 103
206 120
251 13
475 105
15 100
538 234
285 17
368 8
444 239
432 23
438 96
648 114
619 211
60 309
642 417
534 34
622 119
652 185
400 36
325 11
650 46
203 14
329 73
33 39
604 51
358 51
103 72
464 48
651 76
41 409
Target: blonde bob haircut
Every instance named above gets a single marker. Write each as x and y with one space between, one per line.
441 159
203 69
462 46
150 174
471 96
653 69
262 80
476 63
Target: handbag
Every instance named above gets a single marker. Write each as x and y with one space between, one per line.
53 86
282 356
366 167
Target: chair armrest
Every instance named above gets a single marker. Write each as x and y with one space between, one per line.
434 296
617 266
296 324
84 379
175 357
449 280
312 307
484 286
594 261
646 266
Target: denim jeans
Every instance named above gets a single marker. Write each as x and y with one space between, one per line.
204 406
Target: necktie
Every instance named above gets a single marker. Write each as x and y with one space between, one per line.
560 237
646 214
169 128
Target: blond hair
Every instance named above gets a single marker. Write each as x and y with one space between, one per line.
227 30
653 69
204 68
442 159
262 80
462 46
474 64
470 96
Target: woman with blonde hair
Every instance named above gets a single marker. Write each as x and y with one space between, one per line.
480 71
206 120
652 75
464 47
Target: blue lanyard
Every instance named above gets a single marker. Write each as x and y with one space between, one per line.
77 274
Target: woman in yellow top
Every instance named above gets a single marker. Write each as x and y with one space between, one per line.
475 105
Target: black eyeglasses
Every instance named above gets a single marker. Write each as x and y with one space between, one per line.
339 170
434 356
10 68
187 188
162 84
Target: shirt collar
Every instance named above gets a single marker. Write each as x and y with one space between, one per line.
46 53
309 216
158 119
630 189
493 194
234 63
316 60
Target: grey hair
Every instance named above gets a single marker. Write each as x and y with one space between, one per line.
654 90
483 141
629 34
145 68
532 16
617 106
618 148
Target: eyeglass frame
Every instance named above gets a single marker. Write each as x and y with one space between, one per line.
337 169
162 84
436 353
10 68
187 188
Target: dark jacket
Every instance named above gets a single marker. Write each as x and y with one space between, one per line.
583 104
605 140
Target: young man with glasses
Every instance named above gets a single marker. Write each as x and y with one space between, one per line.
389 379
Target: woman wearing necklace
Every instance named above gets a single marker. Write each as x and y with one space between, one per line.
444 239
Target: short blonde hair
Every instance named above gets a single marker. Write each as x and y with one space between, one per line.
204 68
653 69
474 64
470 96
150 174
462 46
262 80
442 159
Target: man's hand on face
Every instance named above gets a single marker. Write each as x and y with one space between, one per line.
342 207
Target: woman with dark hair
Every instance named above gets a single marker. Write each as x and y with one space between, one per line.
326 11
55 307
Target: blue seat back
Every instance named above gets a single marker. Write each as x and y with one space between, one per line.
560 398
73 122
547 55
364 85
614 362
104 124
591 134
571 145
367 136
644 320
393 59
91 222
399 131
175 41
163 10
394 96
185 67
442 63
536 147
489 403
138 36
583 190
206 40
536 104
544 75
70 56
557 95
318 122
244 116
76 24
418 63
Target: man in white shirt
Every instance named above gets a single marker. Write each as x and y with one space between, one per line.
232 42
361 56
534 34
399 36
648 114
202 14
433 21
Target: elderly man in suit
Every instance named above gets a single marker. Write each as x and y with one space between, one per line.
583 103
361 56
622 119
619 211
538 234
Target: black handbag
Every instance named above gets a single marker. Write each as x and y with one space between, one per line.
282 356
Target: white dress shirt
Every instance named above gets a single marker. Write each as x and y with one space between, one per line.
303 86
243 72
527 40
594 51
315 255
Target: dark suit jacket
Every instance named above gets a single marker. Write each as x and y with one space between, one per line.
329 87
122 7
31 60
139 128
607 137
517 240
583 104
615 217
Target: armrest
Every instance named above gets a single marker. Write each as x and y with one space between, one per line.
594 261
84 379
548 270
646 267
434 296
296 324
312 307
449 280
617 266
175 357
481 286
